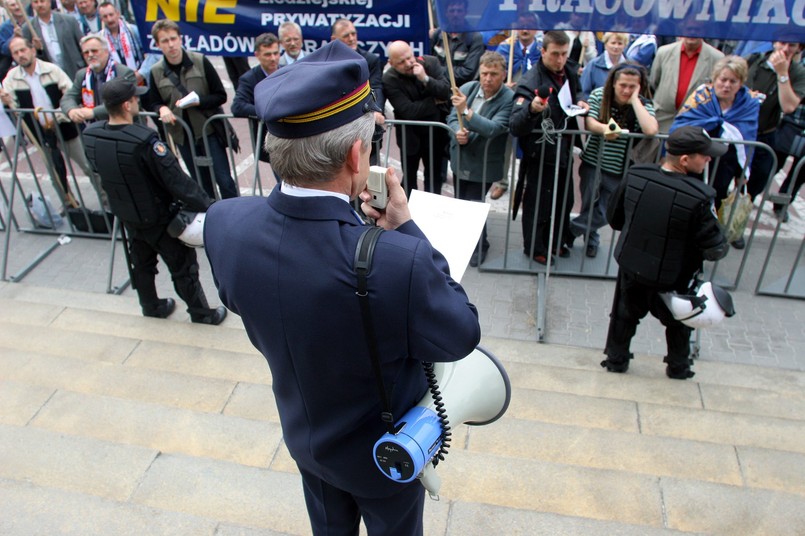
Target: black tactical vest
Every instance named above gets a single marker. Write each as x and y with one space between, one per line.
660 212
116 155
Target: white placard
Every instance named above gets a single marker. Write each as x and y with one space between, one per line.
6 126
453 226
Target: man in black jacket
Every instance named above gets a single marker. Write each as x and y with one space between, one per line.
537 101
144 180
418 90
668 228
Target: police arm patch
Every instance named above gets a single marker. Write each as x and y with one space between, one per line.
160 149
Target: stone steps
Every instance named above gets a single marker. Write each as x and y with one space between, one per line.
115 423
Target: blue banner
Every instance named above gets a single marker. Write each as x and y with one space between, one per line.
761 20
228 27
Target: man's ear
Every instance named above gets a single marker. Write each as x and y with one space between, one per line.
354 156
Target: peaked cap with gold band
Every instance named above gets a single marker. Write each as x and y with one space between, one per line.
323 91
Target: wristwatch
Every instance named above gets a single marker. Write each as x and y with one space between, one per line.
783 79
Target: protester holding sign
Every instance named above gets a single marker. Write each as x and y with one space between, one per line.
465 48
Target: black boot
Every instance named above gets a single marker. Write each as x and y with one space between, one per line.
617 363
162 309
209 316
679 371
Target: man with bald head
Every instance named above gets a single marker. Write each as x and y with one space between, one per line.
418 89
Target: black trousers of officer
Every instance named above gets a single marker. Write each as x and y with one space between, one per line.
335 512
631 303
144 245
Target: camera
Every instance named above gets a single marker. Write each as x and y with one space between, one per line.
376 185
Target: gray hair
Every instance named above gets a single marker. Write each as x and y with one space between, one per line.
98 37
318 158
285 26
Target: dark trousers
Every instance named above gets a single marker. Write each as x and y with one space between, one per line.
537 206
220 168
334 512
761 170
728 170
596 189
786 186
430 153
474 191
235 68
631 303
144 246
50 142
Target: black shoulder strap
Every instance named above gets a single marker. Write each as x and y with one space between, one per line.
171 74
363 265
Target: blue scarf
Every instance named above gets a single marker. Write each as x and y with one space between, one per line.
703 110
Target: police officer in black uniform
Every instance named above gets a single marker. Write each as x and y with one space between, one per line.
668 227
143 179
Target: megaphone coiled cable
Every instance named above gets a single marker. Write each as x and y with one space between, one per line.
441 412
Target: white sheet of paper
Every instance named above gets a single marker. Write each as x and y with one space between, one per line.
453 226
566 102
187 100
6 126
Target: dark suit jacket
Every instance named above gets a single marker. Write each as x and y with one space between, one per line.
70 35
72 97
243 104
375 75
413 100
285 265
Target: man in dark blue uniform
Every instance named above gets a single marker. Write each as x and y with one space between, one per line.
285 264
668 228
143 181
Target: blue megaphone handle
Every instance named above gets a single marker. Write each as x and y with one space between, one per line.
402 456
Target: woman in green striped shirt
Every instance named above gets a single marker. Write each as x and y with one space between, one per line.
623 105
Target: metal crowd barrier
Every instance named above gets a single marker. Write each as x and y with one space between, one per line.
506 259
791 284
511 259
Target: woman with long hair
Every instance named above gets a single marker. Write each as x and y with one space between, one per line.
625 100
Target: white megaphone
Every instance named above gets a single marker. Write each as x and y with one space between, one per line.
188 227
474 391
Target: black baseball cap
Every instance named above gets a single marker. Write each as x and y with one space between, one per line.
693 140
119 90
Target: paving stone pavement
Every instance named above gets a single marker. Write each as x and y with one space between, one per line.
767 331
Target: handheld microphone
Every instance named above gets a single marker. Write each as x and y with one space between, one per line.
543 92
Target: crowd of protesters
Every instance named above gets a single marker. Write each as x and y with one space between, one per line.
59 58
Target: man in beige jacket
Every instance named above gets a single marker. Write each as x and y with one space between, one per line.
678 69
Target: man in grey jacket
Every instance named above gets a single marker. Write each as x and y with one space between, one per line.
83 102
58 37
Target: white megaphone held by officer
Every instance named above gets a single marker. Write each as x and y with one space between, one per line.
474 391
188 227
